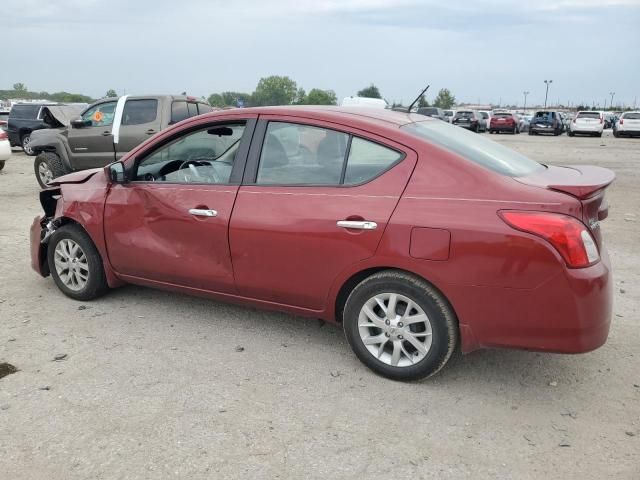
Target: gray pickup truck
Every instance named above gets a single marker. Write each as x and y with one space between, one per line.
107 130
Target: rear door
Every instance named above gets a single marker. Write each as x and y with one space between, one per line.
141 118
303 214
92 145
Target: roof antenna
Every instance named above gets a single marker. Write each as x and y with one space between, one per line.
417 98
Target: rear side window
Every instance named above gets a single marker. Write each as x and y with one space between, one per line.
204 108
179 111
138 112
595 115
192 108
475 148
25 111
631 116
295 154
367 160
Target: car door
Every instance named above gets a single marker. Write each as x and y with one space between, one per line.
141 118
303 214
92 144
169 223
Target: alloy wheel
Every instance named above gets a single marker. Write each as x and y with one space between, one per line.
71 264
26 145
45 173
395 329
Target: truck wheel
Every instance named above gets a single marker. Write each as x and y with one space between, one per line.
2 164
48 166
25 140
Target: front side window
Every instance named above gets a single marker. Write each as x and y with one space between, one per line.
204 156
100 116
139 112
475 148
294 154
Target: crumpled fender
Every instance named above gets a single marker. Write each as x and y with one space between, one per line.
80 176
52 140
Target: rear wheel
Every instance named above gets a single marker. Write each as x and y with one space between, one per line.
400 326
75 264
47 166
599 134
531 132
616 134
2 164
25 141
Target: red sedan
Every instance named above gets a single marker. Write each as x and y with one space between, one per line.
418 236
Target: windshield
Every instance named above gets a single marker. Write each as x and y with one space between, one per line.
475 148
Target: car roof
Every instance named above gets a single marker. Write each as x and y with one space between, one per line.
349 115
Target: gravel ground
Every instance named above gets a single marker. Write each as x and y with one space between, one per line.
155 385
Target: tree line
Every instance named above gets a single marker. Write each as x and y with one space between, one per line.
272 90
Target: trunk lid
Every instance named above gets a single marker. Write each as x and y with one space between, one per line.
586 183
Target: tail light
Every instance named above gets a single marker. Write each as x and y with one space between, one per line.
622 121
574 119
601 120
566 234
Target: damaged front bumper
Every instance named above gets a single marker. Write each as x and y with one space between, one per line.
42 228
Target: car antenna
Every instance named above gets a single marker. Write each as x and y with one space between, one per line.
417 98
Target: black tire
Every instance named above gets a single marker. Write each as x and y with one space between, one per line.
443 321
25 140
570 133
615 134
53 162
599 134
96 283
2 164
514 131
531 132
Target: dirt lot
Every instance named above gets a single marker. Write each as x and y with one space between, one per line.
152 385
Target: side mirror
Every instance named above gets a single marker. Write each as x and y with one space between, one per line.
117 172
80 123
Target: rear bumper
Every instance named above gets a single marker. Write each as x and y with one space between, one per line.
623 131
543 129
502 128
587 128
570 313
37 248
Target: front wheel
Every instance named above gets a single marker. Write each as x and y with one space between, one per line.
400 326
2 164
75 264
47 166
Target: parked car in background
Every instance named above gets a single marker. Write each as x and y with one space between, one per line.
627 125
105 131
486 116
566 121
587 122
433 112
610 120
523 124
470 119
545 122
4 119
5 148
26 118
364 102
504 122
228 205
448 115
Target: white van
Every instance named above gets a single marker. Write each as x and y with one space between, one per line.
364 102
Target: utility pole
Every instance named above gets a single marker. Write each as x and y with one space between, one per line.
612 94
546 95
525 93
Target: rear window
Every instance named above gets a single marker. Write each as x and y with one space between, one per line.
25 111
138 112
448 113
475 148
464 115
631 116
502 115
595 115
428 111
545 115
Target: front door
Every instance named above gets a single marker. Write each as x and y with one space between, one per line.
170 223
318 201
141 118
92 145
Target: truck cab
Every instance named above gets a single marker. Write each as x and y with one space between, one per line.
106 131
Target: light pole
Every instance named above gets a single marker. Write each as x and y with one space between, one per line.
612 94
547 82
525 101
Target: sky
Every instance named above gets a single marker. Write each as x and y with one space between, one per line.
484 51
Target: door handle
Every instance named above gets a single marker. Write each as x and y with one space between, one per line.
106 133
202 212
357 225
151 131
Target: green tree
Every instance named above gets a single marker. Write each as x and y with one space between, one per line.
422 102
370 92
444 99
301 97
275 90
19 87
230 99
317 96
111 93
216 100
